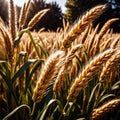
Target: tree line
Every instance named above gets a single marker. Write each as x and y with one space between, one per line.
74 9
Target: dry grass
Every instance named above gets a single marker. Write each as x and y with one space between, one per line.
61 72
82 24
87 74
48 72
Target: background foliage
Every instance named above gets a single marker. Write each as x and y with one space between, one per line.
51 21
76 8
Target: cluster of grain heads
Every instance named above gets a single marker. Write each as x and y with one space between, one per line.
65 69
50 69
81 25
37 17
106 109
102 33
87 74
108 68
12 20
106 27
23 14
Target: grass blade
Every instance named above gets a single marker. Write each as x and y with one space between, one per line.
22 69
15 110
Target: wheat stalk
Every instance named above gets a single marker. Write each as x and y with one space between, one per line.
81 25
12 20
105 109
48 72
8 44
106 27
102 33
59 80
109 66
37 17
90 70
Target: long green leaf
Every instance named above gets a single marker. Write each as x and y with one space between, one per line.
42 49
30 72
33 42
35 67
51 102
105 97
9 84
15 110
17 40
92 98
5 65
116 85
22 69
21 54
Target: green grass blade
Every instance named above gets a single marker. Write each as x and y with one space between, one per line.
51 102
15 110
92 98
30 72
33 42
43 50
17 40
9 84
36 66
106 97
22 69
21 55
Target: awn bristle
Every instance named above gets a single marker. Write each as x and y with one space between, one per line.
12 20
105 109
81 25
37 17
109 66
91 42
48 72
106 45
85 34
87 74
115 43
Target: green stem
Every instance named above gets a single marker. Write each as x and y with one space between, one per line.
33 109
63 111
29 33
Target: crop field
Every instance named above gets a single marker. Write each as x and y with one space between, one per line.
71 74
